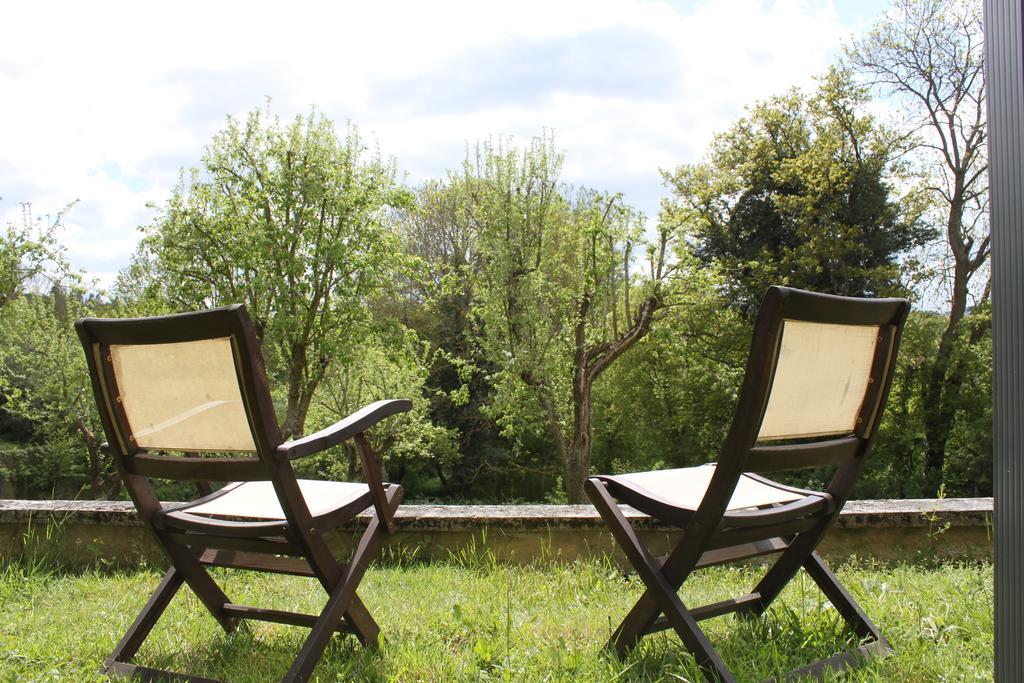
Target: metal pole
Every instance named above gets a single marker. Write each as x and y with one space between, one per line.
1004 55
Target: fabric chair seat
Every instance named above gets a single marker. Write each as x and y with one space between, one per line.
685 487
673 493
258 500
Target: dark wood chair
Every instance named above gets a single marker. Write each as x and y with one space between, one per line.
194 385
817 377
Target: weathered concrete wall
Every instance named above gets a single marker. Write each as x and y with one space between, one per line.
85 532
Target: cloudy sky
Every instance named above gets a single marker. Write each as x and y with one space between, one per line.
105 102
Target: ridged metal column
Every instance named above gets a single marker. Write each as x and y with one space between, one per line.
1004 54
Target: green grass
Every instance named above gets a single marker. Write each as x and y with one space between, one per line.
475 620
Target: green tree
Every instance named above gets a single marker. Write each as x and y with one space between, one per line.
28 250
292 221
800 192
967 467
669 402
392 363
440 229
928 55
896 467
559 292
44 379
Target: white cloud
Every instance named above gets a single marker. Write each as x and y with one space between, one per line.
105 102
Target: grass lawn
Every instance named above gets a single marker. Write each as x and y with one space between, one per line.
473 620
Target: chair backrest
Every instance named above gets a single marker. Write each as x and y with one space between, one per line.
192 382
822 374
817 378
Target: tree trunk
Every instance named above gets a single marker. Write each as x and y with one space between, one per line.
97 481
353 460
590 364
298 407
576 458
568 450
302 383
940 398
577 469
942 389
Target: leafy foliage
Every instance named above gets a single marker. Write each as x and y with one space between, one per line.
28 251
558 292
670 401
44 380
413 449
800 192
441 230
290 220
540 329
929 54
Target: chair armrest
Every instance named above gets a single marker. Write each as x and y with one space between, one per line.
371 471
343 429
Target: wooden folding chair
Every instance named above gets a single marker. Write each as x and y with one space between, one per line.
817 378
194 384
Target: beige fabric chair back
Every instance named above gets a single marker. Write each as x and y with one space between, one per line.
820 382
182 396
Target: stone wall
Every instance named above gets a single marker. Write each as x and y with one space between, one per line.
76 533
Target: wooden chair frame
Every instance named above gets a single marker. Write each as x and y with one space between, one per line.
712 536
192 543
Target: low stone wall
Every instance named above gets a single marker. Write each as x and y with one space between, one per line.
74 533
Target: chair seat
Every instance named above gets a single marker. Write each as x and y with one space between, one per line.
258 500
662 492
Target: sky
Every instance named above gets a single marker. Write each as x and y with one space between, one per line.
104 103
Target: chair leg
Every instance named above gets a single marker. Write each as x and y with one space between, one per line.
659 590
356 614
201 583
635 624
362 622
783 570
875 644
143 624
851 612
344 602
802 554
639 619
323 629
184 569
662 581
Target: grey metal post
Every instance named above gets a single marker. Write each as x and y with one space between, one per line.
1004 55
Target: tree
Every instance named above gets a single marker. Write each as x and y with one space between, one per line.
439 229
291 221
967 469
895 467
29 249
392 363
669 401
558 290
44 379
799 192
928 54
